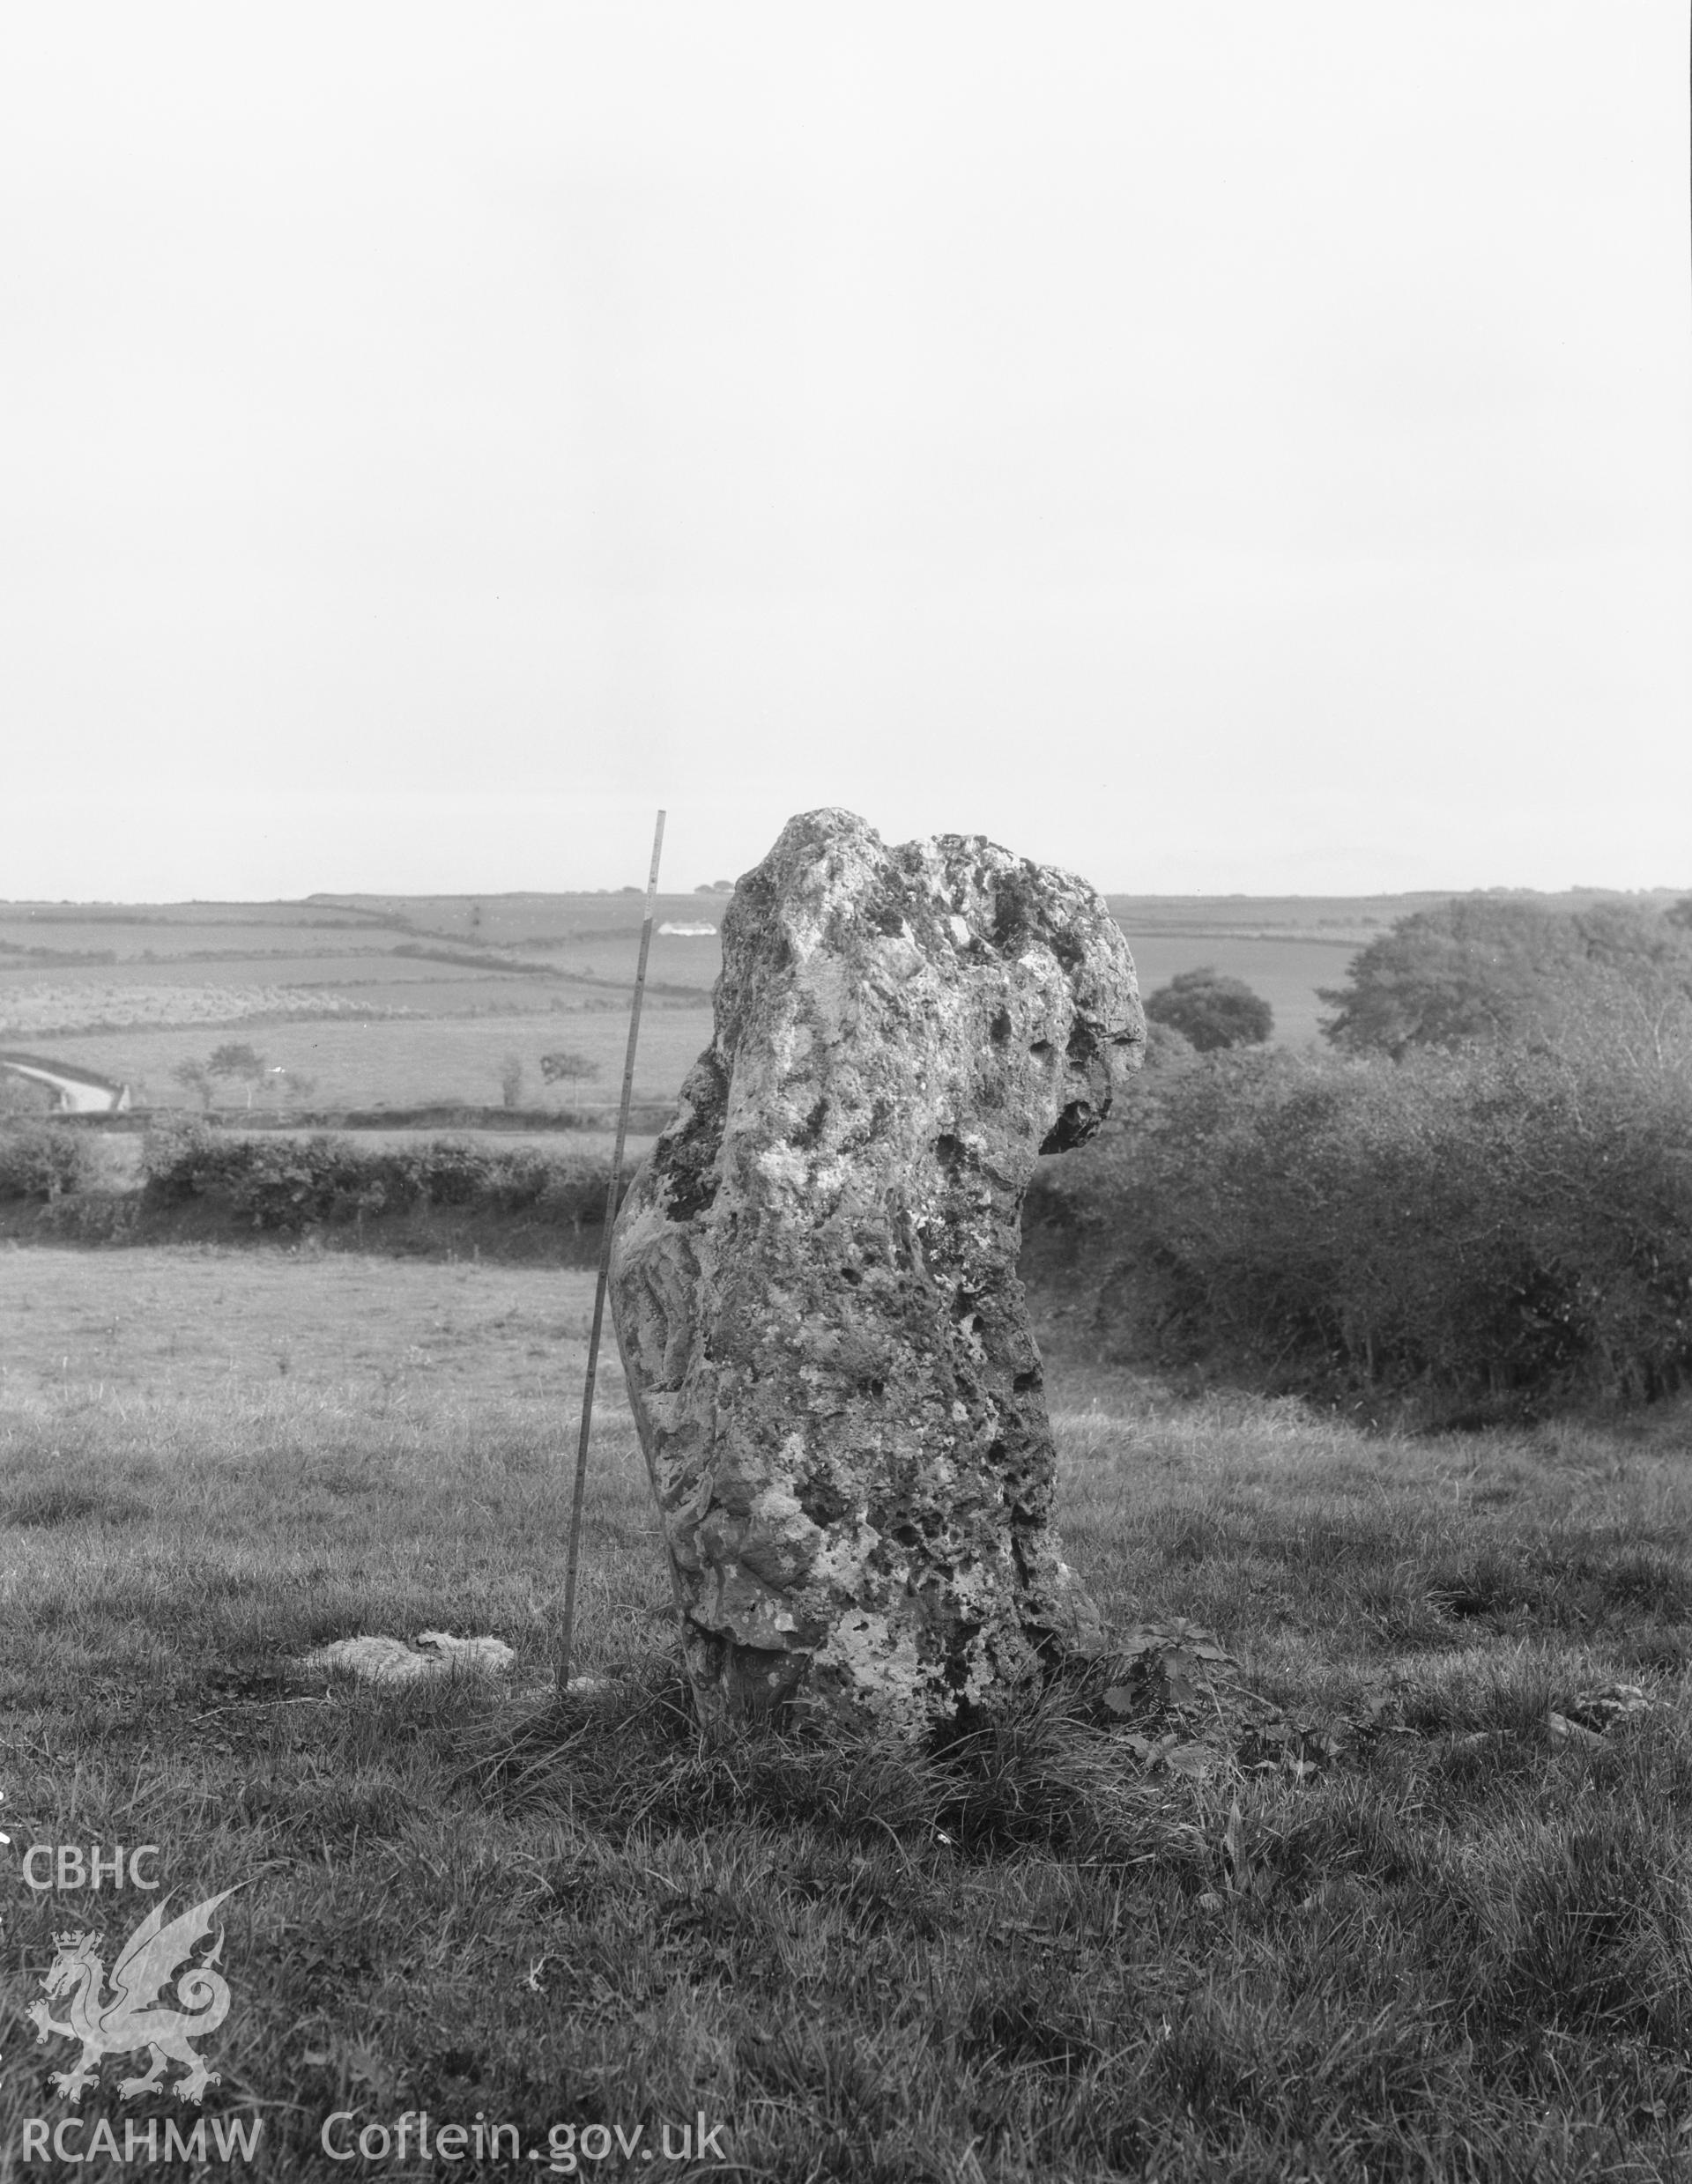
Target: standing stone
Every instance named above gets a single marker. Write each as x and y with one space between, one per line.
813 1276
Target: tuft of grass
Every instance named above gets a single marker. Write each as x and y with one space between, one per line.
51 1501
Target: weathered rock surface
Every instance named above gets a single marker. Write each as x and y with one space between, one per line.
813 1276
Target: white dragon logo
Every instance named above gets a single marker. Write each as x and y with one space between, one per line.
133 2018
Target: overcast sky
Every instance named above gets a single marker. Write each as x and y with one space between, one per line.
1231 445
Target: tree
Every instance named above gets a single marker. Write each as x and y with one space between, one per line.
511 1080
566 1066
1212 1011
196 1078
1487 968
243 1062
291 1089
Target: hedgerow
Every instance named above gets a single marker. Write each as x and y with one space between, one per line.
1495 1232
291 1184
38 1161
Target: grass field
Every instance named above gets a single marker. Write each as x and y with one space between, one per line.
1425 1917
415 1062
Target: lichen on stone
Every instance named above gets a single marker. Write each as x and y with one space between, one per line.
813 1276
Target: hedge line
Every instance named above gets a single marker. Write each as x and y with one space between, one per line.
1488 1234
291 1184
40 1161
199 1180
646 1118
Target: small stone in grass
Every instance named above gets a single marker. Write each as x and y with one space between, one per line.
375 1659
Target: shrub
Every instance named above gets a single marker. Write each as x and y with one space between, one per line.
1212 1011
1495 1232
21 1098
290 1184
195 1076
453 1171
1167 1048
180 1159
38 1161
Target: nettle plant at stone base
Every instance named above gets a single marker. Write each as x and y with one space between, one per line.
813 1277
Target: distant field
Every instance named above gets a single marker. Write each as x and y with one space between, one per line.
558 939
338 966
1355 918
28 1009
522 920
406 1001
414 1062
